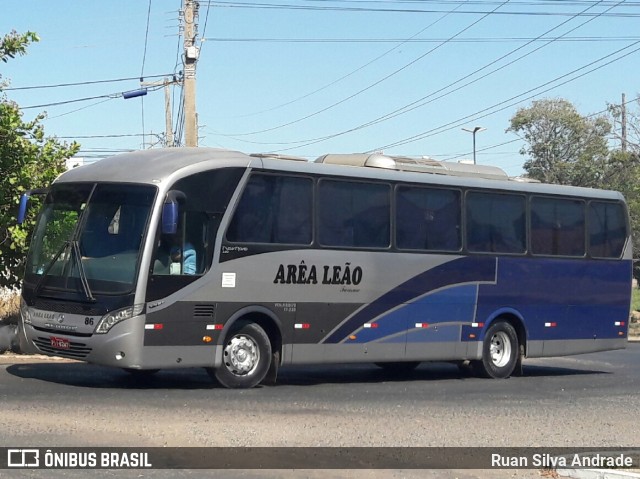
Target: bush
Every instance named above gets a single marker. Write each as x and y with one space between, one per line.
635 300
9 306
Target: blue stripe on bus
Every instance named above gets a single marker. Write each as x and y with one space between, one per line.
583 298
443 310
471 269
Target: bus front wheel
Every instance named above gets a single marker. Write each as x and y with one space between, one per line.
499 351
246 357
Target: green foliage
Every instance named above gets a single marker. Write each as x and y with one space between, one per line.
563 146
28 159
567 148
16 44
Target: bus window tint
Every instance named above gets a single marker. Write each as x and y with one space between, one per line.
354 214
495 223
274 209
557 227
607 229
428 219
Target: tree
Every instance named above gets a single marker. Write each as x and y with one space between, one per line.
631 140
624 167
16 44
563 146
28 160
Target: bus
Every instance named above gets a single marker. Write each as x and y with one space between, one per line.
241 264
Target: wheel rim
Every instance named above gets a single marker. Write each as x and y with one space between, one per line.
500 349
242 355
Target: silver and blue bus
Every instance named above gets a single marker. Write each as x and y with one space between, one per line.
198 257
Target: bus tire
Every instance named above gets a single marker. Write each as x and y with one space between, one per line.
246 357
500 351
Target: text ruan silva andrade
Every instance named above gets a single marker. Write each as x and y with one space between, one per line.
576 460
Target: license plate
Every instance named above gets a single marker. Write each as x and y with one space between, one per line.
60 343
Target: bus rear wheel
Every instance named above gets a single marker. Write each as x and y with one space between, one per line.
246 357
500 351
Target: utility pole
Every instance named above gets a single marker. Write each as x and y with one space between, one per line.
623 121
168 128
168 121
191 52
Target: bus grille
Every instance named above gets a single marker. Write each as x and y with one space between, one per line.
71 308
66 333
75 351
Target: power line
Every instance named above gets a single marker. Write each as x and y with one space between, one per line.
424 40
536 3
144 57
146 39
425 100
123 135
206 21
486 111
79 109
66 102
329 8
353 72
510 102
94 82
395 72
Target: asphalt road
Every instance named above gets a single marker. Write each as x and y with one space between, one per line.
588 400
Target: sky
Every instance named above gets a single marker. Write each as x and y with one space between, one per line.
310 77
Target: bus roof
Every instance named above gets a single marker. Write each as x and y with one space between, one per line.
155 166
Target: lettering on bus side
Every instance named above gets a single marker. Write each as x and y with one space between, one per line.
312 274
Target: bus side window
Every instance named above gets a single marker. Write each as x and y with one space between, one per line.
294 211
495 223
607 229
274 209
428 219
354 214
252 219
557 226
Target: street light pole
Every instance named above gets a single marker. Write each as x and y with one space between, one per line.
473 132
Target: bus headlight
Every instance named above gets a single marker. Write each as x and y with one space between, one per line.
24 312
109 320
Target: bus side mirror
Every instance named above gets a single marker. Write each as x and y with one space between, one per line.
171 211
22 211
24 202
170 217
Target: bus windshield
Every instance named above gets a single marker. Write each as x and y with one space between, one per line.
88 238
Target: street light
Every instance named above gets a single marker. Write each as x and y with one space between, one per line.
134 93
473 132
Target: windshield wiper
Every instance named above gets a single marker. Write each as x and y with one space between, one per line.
81 272
75 252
